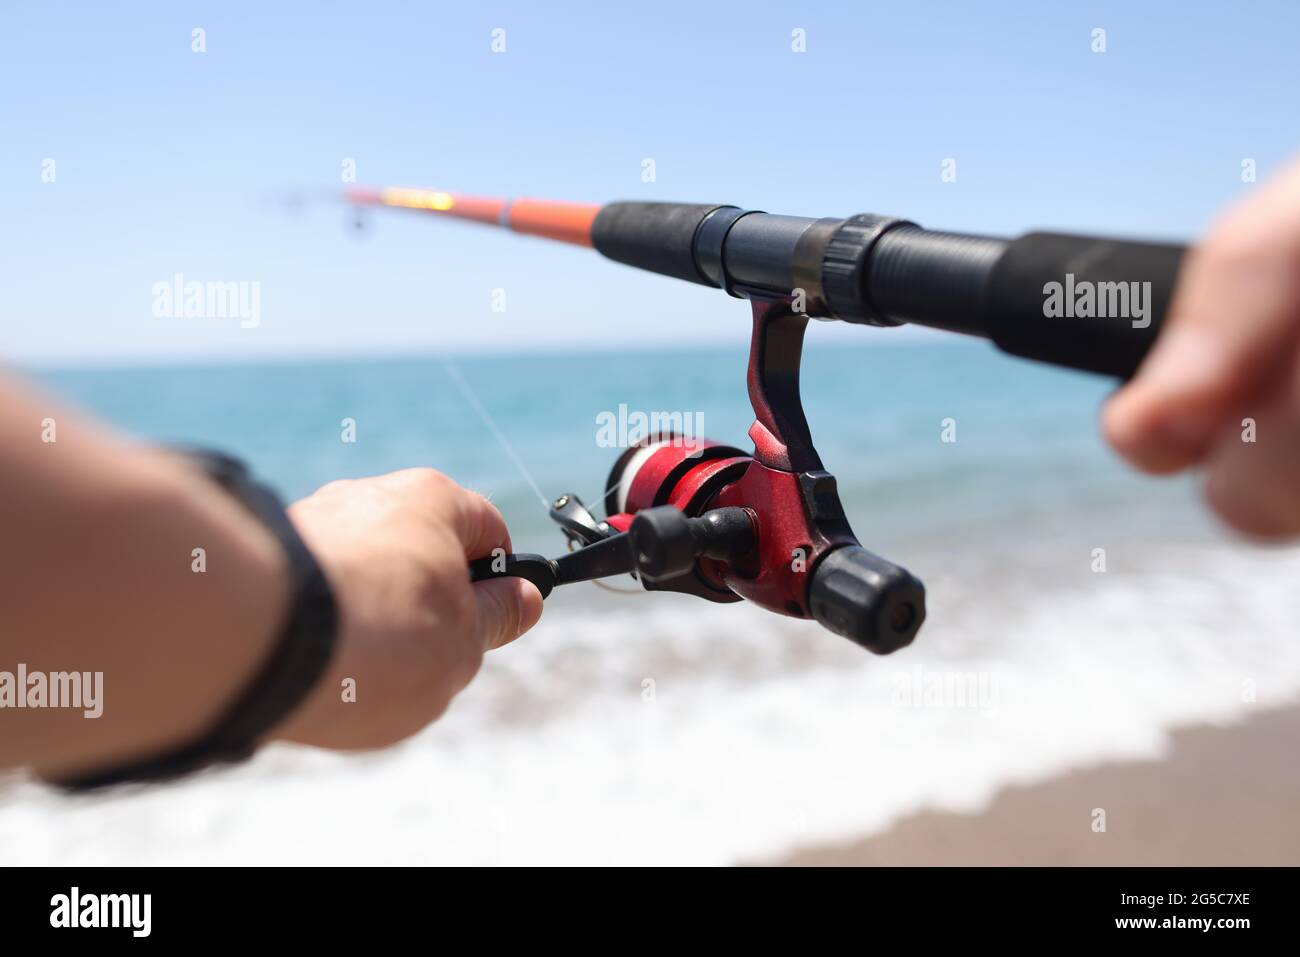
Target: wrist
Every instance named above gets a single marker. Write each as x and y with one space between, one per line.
247 600
198 594
266 638
303 724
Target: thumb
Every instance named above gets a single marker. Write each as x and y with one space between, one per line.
507 607
1230 336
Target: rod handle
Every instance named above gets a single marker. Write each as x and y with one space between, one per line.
1082 302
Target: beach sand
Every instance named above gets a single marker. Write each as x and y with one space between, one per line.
1222 796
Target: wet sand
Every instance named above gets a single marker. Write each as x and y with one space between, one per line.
1222 796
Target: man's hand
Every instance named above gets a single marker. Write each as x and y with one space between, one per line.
413 629
1229 351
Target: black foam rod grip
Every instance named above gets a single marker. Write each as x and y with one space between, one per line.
659 237
1080 301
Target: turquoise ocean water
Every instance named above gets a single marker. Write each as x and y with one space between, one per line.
652 728
1026 445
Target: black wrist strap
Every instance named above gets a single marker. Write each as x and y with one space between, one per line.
295 665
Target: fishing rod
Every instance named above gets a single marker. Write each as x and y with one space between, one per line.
707 519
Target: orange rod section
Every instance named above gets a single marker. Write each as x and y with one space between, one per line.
565 222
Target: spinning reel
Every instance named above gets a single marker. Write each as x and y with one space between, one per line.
710 520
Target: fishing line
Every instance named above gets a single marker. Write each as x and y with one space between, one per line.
477 406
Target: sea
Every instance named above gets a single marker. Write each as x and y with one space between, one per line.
1077 613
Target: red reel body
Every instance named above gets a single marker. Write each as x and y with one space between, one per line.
699 475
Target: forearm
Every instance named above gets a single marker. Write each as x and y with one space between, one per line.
99 574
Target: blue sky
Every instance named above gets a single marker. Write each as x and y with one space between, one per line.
168 161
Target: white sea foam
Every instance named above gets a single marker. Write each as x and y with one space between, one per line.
763 734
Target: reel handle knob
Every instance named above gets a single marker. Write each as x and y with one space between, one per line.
662 543
867 599
665 543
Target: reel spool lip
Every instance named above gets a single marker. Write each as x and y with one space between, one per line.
619 481
628 465
626 469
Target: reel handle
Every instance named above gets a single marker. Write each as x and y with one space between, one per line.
536 568
661 543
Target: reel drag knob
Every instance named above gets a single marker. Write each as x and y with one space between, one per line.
867 599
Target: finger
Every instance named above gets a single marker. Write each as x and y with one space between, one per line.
1254 473
507 607
1232 330
479 525
475 521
